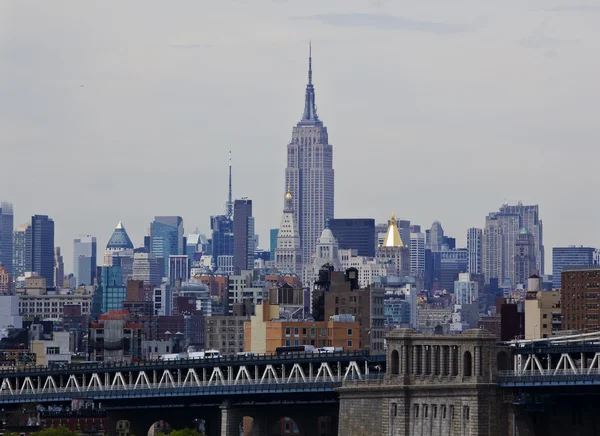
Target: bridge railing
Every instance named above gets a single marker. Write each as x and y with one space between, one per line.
182 363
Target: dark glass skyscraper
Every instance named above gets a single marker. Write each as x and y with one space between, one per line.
40 247
222 237
357 234
243 235
166 237
563 257
6 236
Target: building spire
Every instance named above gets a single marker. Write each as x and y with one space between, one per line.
310 62
310 116
229 204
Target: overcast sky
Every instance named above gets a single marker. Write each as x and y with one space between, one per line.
436 110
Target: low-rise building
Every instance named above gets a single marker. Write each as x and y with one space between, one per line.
57 350
114 338
266 331
52 306
224 333
542 314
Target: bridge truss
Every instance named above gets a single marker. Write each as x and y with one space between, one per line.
241 376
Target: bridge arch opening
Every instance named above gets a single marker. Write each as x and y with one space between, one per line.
395 362
502 361
159 427
467 364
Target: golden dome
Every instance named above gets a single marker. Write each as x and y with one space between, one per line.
392 238
288 196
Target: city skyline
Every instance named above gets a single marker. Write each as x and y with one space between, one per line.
385 106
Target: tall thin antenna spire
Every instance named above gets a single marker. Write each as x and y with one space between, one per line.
309 62
229 205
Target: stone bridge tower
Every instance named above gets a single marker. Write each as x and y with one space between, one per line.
434 385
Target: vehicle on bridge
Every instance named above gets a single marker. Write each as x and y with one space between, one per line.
330 350
195 355
295 349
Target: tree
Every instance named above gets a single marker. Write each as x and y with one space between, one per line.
183 432
58 431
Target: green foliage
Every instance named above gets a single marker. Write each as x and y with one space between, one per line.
183 432
58 431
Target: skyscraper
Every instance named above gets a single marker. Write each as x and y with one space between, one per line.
309 174
500 237
563 257
436 236
20 250
119 243
166 237
530 219
6 236
475 248
417 253
222 237
356 234
40 247
59 268
243 235
273 241
288 254
85 260
524 257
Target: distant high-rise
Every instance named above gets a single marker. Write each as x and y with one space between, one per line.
524 257
222 237
166 237
309 174
273 242
179 269
417 253
147 267
40 248
475 250
436 237
243 235
288 254
355 234
20 250
500 237
530 219
119 243
6 236
563 257
59 268
85 260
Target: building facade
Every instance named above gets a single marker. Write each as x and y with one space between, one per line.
417 253
147 267
563 257
59 268
475 250
224 333
465 290
288 254
20 250
40 248
6 236
85 260
166 237
579 296
309 174
542 314
243 235
355 234
265 332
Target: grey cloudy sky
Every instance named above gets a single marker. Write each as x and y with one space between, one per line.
436 110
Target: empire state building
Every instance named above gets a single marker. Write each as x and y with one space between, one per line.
309 173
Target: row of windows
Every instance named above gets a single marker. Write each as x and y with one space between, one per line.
288 342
